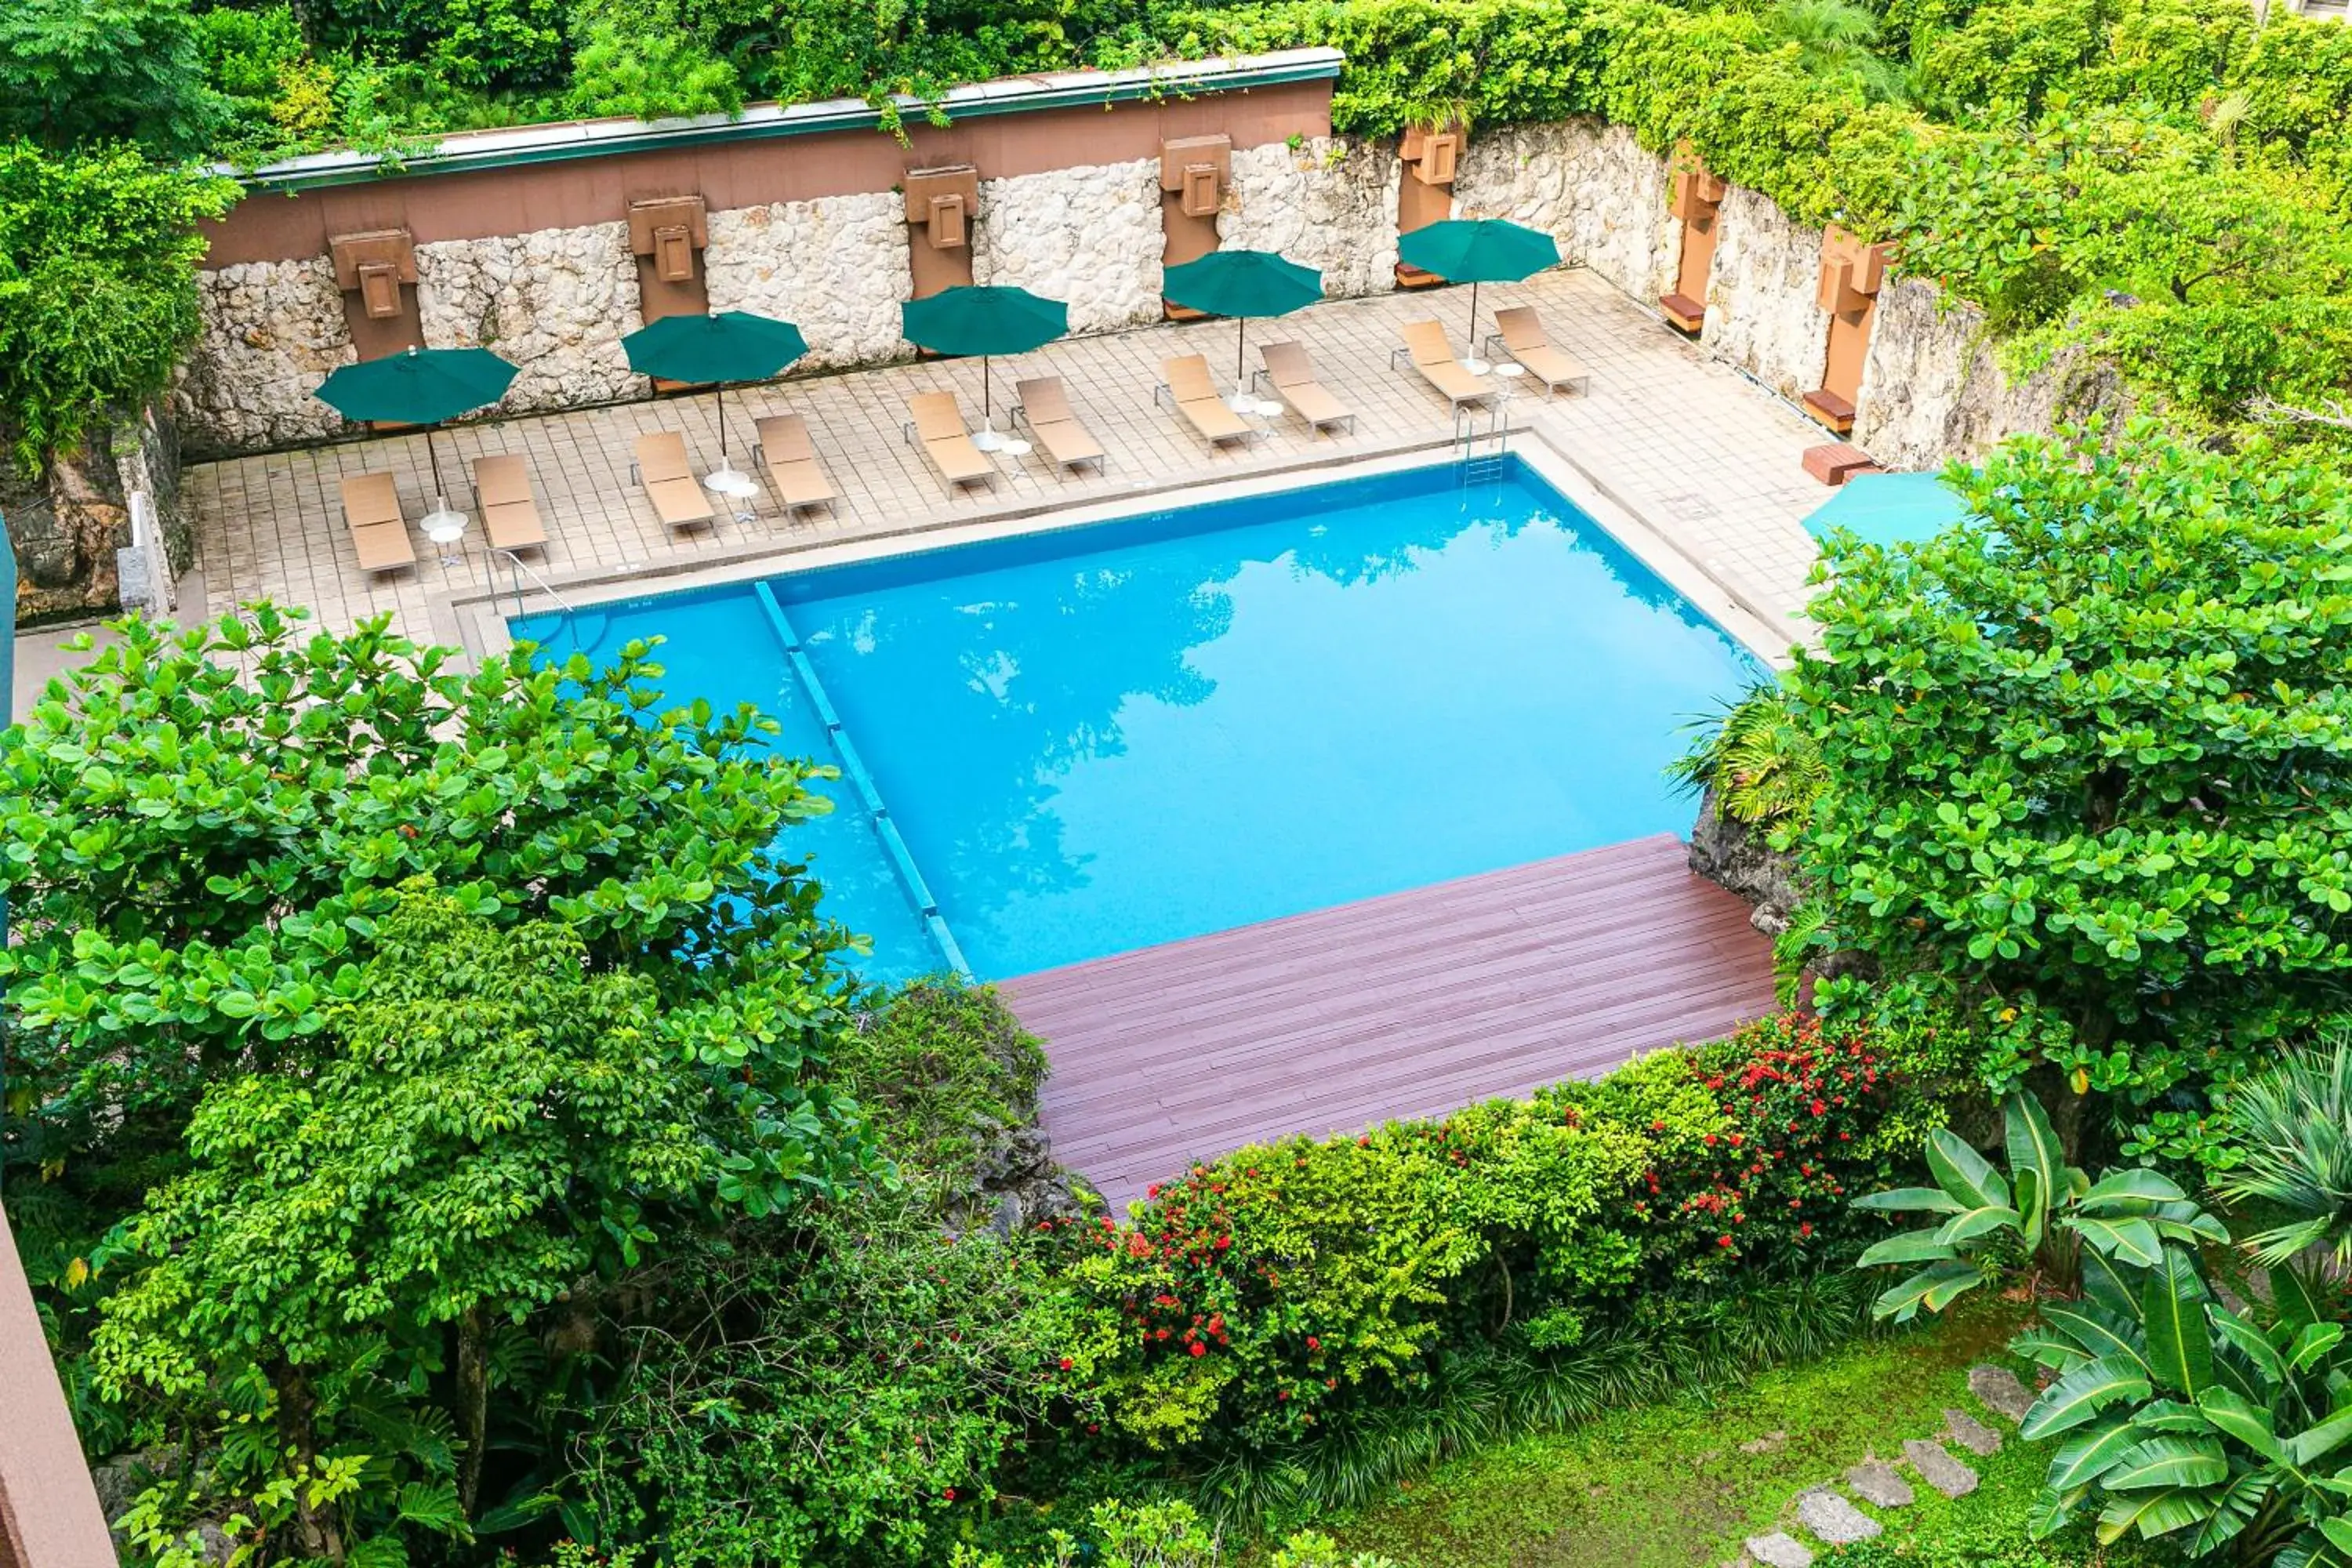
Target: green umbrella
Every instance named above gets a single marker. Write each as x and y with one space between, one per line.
971 322
422 386
1241 284
1475 251
719 346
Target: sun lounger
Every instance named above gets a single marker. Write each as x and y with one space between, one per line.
1188 386
372 510
1293 375
1043 406
793 473
661 467
510 512
938 423
1522 332
1434 357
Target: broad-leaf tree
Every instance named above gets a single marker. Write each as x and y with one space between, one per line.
2087 756
494 1127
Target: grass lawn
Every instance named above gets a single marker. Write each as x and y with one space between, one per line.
1668 1486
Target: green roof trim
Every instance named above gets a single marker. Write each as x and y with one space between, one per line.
471 151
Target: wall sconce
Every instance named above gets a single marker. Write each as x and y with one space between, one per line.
373 266
1196 170
944 202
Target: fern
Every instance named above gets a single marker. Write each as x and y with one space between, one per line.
1762 765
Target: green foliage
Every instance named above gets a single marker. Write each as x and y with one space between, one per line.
637 58
77 72
1167 1535
1764 767
494 1128
2044 1210
98 294
940 1067
898 1366
1285 1286
2085 756
2188 1418
2291 1128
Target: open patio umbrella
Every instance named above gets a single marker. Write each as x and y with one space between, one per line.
976 322
422 386
715 348
1475 251
1241 284
1889 509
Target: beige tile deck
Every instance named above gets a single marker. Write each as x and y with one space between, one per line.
1705 458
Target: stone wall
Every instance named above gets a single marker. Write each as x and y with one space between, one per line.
1091 238
1932 391
556 302
1324 204
66 525
272 331
1762 313
835 266
1591 186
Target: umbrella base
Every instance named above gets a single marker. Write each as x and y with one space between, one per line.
1477 366
988 439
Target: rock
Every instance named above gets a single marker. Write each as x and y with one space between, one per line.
1766 1444
835 266
1833 1519
1970 1433
2000 1392
1734 855
1761 312
1588 185
67 523
1779 1551
1091 236
1938 1469
1875 1483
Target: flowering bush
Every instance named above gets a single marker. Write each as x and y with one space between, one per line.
1254 1294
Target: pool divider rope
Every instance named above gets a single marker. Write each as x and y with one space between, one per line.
853 768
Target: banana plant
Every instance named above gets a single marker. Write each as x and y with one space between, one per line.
2227 1428
2044 1210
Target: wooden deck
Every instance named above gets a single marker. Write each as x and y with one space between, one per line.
1412 1005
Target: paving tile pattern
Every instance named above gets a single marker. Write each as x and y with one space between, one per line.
1708 458
1408 1005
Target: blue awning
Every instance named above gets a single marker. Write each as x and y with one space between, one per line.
1888 509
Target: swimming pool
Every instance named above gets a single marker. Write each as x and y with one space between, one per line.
1080 741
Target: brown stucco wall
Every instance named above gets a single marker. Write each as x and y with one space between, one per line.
572 193
49 1516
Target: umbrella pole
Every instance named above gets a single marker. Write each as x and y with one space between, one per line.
1241 353
987 408
1474 318
722 425
432 455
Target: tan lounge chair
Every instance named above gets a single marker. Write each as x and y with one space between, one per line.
1195 396
380 534
661 467
1434 357
1522 332
939 423
510 512
1043 406
1293 375
793 473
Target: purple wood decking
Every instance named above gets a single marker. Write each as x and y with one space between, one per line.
1412 1005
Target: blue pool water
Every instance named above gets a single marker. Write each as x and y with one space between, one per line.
1096 739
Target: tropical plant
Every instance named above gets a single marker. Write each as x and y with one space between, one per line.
2087 755
77 73
1762 764
2045 1211
2220 1426
2290 1128
1837 38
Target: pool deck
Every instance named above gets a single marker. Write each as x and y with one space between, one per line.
1408 1005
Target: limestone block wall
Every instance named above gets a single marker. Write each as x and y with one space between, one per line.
1591 186
1090 236
555 301
835 266
1761 310
272 331
1324 204
1932 389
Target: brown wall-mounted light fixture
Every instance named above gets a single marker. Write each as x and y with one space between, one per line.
1432 155
376 270
1694 202
1195 172
942 203
1852 275
667 236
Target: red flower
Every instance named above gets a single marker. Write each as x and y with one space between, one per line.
1723 1241
1199 1348
1819 1109
1658 1126
1711 1140
1806 1228
1065 1364
1282 1394
1313 1344
949 1494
